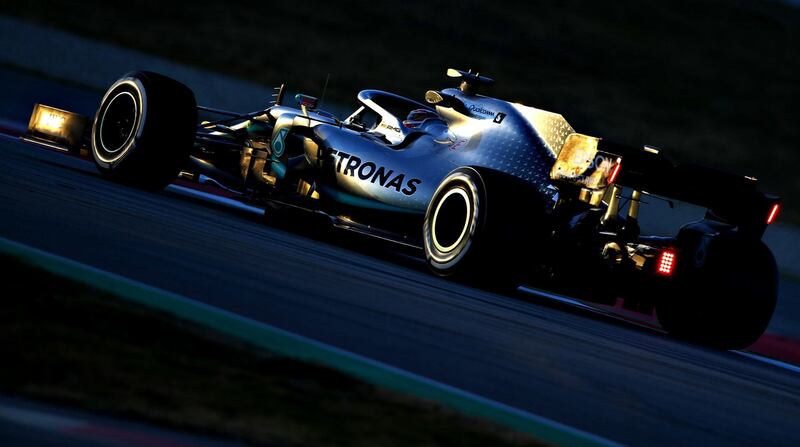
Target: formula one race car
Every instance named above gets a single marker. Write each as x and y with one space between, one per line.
495 193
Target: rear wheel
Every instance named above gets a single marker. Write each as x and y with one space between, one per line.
144 130
483 227
728 301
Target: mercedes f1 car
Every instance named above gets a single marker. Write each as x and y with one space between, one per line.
494 193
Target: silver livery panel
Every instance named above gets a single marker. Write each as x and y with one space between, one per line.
519 140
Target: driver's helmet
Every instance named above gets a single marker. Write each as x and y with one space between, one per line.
417 118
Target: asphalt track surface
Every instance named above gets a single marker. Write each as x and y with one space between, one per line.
626 383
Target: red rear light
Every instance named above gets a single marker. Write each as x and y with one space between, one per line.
773 213
666 263
614 173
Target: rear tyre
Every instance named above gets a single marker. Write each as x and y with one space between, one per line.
484 227
144 130
728 301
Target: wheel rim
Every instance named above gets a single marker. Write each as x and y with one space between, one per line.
451 220
118 122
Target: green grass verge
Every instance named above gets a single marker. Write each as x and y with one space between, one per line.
65 342
715 81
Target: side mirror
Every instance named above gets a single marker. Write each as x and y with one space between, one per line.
444 100
306 102
434 97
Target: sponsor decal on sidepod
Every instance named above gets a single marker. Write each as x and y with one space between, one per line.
369 171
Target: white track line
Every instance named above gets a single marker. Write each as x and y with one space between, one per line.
582 305
773 362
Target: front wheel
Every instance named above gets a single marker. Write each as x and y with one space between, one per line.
484 227
144 130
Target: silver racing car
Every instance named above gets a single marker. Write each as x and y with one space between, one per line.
495 193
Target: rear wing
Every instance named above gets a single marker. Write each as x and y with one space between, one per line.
730 198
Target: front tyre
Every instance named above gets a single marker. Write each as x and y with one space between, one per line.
483 227
143 131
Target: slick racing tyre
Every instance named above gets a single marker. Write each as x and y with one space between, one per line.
728 301
144 130
483 227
